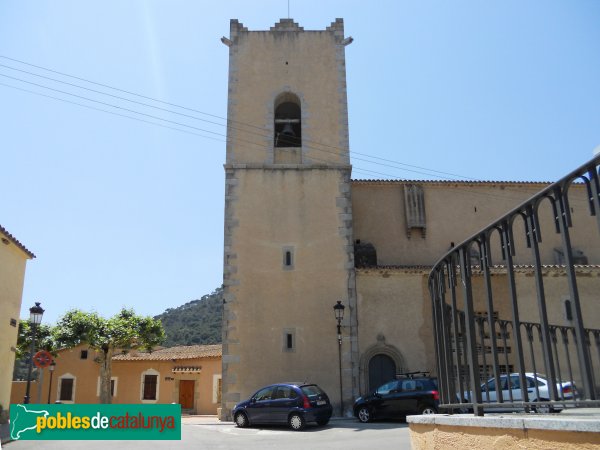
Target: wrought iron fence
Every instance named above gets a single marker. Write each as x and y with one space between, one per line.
485 292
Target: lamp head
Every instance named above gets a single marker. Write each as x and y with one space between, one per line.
35 314
338 308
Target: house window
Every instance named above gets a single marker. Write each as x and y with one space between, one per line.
66 388
288 258
289 340
150 386
150 382
83 354
113 387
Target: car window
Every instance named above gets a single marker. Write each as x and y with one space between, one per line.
409 385
285 392
491 386
387 387
531 382
264 394
312 390
515 383
420 385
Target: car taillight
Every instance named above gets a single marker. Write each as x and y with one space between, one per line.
305 403
436 395
567 389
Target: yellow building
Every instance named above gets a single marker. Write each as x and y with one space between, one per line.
189 375
300 235
13 258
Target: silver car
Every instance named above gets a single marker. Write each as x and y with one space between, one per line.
537 390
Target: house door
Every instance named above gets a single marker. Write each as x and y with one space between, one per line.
186 394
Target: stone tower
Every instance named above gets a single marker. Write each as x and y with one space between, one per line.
288 253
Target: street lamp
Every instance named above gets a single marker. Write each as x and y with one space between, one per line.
338 309
51 368
35 318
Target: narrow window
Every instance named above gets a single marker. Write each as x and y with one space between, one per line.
289 340
568 311
288 258
150 387
66 389
84 354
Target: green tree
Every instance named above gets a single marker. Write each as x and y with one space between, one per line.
122 332
43 341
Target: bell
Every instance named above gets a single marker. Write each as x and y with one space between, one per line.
287 130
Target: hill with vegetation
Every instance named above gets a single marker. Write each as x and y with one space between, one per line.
196 322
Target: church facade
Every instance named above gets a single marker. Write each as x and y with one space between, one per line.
301 235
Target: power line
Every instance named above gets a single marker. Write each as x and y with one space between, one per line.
355 168
197 128
338 150
110 112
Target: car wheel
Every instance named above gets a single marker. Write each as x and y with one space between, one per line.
543 409
241 420
322 422
296 422
364 415
427 410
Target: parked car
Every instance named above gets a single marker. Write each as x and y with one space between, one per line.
511 382
409 394
293 403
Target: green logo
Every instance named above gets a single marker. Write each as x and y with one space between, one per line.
91 422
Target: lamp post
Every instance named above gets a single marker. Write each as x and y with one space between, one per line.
51 368
35 318
338 309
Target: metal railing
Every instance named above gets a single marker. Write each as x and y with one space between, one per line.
485 352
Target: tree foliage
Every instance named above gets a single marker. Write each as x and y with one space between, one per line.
122 332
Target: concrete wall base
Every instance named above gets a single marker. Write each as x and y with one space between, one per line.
510 431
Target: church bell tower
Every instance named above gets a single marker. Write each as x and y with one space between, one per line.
288 246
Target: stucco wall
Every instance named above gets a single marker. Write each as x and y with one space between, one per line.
425 437
12 275
129 381
454 211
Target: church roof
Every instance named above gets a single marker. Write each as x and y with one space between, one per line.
448 182
15 241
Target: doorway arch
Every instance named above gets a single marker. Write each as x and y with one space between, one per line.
379 350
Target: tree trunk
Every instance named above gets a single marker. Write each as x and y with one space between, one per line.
105 375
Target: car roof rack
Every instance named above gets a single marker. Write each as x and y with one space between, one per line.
420 373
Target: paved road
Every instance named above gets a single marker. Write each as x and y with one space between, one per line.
208 433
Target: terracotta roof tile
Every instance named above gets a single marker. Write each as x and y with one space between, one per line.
170 353
15 241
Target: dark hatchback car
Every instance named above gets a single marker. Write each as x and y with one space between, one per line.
293 403
398 398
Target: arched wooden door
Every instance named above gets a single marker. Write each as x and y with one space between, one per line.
382 368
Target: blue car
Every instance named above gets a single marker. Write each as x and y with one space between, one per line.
293 403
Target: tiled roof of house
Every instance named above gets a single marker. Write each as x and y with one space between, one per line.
15 241
171 353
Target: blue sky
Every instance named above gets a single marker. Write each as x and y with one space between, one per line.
121 212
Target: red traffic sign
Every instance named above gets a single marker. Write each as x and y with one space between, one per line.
42 359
